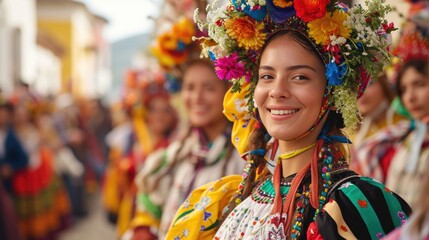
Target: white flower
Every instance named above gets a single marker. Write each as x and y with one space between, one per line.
240 105
185 233
262 2
341 40
186 203
201 206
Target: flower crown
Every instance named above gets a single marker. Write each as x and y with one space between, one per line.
171 48
414 40
353 43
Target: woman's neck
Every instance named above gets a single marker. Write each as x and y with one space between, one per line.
296 163
214 130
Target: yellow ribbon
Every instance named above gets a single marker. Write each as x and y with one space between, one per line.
294 153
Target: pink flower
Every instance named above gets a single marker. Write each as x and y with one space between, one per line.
229 68
313 232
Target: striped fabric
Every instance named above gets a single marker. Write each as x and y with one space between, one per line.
362 209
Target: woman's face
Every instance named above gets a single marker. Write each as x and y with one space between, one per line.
290 88
202 95
415 93
371 99
160 116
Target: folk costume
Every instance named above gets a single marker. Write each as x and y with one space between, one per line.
324 199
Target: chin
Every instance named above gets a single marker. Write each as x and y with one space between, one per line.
199 124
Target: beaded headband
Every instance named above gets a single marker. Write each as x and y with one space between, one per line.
353 43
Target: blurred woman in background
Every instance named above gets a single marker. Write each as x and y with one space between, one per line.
204 154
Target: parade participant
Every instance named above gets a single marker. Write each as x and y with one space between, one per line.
202 155
300 65
150 126
399 154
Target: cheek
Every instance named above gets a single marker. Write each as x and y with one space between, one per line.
186 97
259 95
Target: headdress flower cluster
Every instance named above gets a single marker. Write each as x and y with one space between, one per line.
353 43
171 48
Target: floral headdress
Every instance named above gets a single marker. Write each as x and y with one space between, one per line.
171 48
414 39
353 43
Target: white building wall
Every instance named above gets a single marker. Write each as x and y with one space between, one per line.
20 18
48 69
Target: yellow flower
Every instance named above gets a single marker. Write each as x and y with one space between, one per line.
332 24
247 32
184 30
282 3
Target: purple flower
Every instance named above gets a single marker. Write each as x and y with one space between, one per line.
207 215
228 68
335 73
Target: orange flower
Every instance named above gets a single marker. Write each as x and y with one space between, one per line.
247 32
332 24
283 3
308 10
184 30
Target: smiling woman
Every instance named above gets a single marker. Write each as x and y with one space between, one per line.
312 65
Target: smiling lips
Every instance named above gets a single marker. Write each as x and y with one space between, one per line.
283 111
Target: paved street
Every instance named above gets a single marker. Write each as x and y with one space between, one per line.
93 227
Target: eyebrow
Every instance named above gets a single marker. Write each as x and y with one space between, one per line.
295 67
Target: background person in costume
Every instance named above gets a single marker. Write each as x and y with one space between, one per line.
402 150
314 59
202 155
150 126
40 199
375 107
12 158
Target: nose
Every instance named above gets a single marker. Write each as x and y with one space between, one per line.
197 95
280 89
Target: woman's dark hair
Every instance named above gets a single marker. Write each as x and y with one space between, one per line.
420 65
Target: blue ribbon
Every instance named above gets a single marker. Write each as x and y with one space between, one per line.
333 138
258 152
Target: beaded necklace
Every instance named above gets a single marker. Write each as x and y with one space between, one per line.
327 156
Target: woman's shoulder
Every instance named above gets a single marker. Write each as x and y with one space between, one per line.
361 208
200 214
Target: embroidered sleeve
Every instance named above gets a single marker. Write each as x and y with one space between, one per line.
199 215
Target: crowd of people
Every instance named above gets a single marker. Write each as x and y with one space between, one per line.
52 158
298 126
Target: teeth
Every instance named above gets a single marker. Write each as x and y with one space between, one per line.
283 112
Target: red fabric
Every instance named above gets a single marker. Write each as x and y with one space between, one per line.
385 162
313 232
31 181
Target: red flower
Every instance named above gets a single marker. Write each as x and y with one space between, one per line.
309 10
362 203
313 232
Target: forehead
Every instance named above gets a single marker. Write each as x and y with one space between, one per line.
289 50
411 75
200 74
